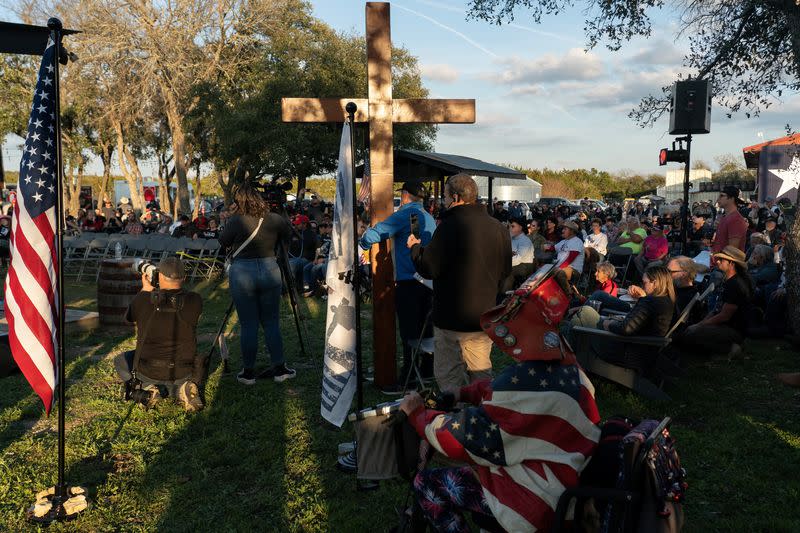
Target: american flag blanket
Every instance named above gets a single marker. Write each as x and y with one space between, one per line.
529 434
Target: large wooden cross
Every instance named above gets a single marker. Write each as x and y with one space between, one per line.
380 111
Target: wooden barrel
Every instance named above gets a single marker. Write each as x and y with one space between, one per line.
116 287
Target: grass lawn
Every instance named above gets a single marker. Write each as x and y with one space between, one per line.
260 458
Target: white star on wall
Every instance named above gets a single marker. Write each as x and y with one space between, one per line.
790 176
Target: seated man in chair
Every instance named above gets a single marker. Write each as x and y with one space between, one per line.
526 435
165 362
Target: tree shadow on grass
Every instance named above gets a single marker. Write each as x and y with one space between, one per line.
226 469
17 394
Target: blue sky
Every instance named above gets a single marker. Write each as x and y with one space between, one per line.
541 101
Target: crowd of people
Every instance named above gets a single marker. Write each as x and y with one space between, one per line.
620 269
626 260
152 220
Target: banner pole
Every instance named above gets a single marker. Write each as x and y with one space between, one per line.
351 108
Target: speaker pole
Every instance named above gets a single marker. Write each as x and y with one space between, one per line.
685 210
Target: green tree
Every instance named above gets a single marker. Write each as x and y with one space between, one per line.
239 123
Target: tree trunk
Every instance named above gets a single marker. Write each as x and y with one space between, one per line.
106 156
132 175
66 200
197 197
179 156
137 189
75 199
301 188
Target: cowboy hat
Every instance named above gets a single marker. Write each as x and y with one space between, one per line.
731 253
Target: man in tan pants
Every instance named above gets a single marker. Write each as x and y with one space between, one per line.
460 357
468 259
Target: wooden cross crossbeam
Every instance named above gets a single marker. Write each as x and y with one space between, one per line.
404 110
381 112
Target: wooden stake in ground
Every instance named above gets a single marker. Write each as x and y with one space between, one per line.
381 112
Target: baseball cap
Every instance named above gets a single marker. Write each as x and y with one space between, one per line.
300 219
172 267
732 192
415 188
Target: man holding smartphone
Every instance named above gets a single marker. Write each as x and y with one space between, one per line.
412 298
468 259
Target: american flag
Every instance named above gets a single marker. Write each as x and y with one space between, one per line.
529 438
31 281
364 189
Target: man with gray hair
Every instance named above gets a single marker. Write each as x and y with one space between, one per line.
468 259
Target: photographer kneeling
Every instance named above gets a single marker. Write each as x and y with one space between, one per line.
165 362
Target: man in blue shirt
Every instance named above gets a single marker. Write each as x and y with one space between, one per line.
412 298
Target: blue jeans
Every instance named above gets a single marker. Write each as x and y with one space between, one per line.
313 274
256 292
296 265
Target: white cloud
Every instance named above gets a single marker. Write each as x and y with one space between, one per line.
528 90
440 72
659 51
629 90
574 65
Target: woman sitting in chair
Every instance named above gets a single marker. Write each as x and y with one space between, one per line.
651 316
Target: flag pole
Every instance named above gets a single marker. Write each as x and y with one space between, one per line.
64 503
55 31
351 108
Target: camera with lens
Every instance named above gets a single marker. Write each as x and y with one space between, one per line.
145 267
274 192
134 392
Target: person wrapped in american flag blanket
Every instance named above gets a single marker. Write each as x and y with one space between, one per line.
525 436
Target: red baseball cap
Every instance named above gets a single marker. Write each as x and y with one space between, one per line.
300 219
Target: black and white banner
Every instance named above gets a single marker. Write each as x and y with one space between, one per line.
339 369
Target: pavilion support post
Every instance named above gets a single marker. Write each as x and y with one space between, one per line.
491 199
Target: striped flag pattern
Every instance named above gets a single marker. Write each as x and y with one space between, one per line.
366 187
529 439
30 289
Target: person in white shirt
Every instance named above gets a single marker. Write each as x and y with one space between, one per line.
523 262
597 239
570 250
521 245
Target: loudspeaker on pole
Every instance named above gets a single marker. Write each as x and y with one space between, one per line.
691 107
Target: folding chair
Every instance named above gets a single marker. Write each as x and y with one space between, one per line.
210 261
156 248
95 252
192 255
134 246
621 257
